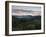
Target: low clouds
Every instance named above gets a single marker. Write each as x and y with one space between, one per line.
26 10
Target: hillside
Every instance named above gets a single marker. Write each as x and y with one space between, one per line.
26 22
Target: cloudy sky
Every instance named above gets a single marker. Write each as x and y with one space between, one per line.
26 10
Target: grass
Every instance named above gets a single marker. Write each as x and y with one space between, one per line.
26 25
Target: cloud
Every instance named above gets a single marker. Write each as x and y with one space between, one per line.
24 10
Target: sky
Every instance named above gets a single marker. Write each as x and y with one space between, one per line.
26 10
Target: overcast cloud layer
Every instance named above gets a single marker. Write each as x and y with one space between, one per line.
26 10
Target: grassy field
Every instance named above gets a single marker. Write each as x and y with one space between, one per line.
26 24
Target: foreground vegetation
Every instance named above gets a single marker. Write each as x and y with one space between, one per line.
26 23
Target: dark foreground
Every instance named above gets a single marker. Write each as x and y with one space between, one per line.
26 23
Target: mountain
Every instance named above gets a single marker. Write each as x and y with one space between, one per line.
25 18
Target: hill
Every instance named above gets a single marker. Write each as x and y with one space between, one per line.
26 22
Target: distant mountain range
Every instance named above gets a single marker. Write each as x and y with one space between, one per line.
26 18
